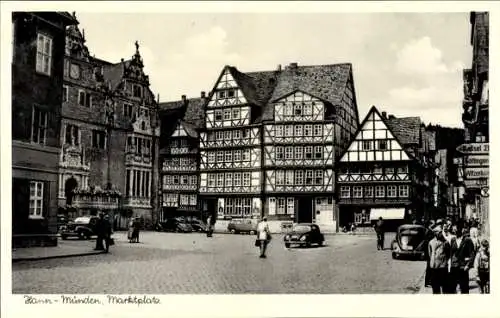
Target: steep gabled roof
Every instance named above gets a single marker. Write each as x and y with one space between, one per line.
406 129
256 86
326 82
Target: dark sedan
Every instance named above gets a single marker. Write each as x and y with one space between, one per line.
411 240
83 227
304 234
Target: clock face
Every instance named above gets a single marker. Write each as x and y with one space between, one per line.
75 71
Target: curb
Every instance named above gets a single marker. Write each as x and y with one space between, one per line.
23 259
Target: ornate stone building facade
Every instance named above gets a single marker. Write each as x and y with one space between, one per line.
109 135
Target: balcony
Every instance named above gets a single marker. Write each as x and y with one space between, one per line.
96 198
137 202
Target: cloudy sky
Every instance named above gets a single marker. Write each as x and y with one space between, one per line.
406 64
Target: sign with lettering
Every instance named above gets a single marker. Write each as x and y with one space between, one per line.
476 161
474 148
476 172
476 183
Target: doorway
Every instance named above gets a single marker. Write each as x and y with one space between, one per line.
304 213
70 185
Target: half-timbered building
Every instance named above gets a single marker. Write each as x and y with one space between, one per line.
179 157
386 171
230 144
109 135
310 117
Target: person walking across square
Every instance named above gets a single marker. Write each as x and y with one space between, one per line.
379 229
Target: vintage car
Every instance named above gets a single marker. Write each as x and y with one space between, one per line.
411 240
198 225
243 226
83 227
178 225
304 234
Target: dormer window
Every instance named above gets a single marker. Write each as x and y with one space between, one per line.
231 93
137 90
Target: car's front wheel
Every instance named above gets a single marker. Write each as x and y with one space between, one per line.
233 231
252 232
287 245
394 255
321 243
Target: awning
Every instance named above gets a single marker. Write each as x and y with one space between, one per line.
387 214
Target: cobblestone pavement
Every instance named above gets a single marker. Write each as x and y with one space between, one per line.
168 263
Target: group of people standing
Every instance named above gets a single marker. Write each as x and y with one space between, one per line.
453 251
103 231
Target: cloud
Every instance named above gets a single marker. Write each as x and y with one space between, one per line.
420 57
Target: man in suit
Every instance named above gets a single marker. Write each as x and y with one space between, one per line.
462 258
439 254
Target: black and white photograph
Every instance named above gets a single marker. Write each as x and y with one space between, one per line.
245 152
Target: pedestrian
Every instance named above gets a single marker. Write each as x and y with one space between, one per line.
439 253
130 233
429 236
462 259
263 236
136 230
100 233
474 234
482 267
106 232
379 229
209 228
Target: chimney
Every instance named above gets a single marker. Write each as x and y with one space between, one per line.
384 115
203 95
293 65
183 97
391 117
279 68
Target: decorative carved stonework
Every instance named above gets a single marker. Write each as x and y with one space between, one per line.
75 43
73 157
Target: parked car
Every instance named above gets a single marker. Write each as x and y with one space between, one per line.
174 225
304 234
411 240
83 227
243 226
198 225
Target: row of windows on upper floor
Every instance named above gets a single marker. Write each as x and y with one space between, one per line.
228 156
298 152
227 114
228 135
182 199
85 100
300 177
297 130
180 179
375 169
381 191
179 162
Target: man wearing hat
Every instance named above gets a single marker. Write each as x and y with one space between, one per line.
439 254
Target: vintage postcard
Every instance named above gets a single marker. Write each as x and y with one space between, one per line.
264 159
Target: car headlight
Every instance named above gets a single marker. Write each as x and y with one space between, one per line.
287 237
303 238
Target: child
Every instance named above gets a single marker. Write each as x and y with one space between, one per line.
482 266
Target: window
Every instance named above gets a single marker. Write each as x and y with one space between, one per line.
173 143
211 157
290 204
308 130
220 156
128 110
38 126
280 177
367 145
98 139
184 180
237 155
298 130
36 199
218 114
71 137
65 95
221 94
307 109
345 192
279 152
382 144
184 199
227 114
309 177
246 179
229 180
246 155
391 191
192 199
175 179
237 179
357 192
389 171
211 180
403 169
219 135
227 135
299 177
318 152
236 113
193 180
229 156
44 54
288 131
298 152
318 130
379 191
308 152
220 180
377 170
289 177
280 207
289 153
236 134
298 109
318 177
84 99
170 199
137 90
403 191
230 93
369 191
279 131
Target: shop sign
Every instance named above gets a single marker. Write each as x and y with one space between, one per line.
474 148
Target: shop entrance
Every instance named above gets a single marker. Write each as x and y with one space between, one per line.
304 213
